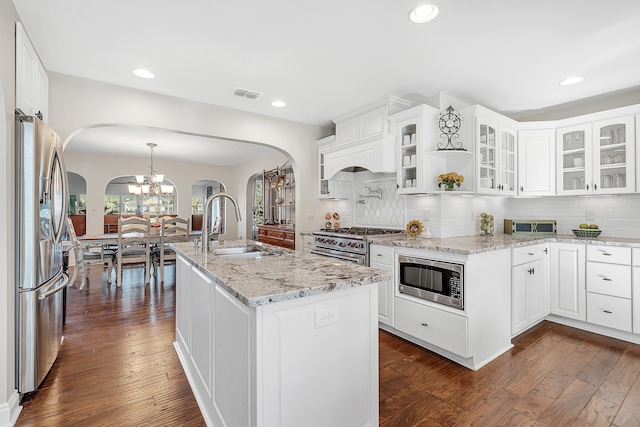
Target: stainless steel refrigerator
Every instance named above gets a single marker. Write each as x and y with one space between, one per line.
41 211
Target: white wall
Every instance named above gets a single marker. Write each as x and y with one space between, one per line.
76 103
8 396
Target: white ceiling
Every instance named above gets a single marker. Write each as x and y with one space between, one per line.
328 57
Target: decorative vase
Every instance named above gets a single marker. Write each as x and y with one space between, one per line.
448 187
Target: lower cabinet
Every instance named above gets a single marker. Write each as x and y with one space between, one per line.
529 287
443 329
568 294
280 364
277 235
382 257
609 287
636 290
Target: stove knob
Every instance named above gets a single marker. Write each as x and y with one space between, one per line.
342 244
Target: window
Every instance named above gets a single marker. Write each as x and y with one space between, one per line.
77 204
130 205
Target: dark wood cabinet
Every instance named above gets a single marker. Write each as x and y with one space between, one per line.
277 235
79 224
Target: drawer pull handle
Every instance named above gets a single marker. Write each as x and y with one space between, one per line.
531 253
605 253
607 311
424 324
606 279
378 254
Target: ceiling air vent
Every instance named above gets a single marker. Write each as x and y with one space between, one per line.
246 93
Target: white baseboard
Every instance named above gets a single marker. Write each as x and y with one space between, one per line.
10 410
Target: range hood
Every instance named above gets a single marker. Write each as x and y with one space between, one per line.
376 154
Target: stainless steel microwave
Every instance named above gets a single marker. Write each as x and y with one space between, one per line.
437 281
530 226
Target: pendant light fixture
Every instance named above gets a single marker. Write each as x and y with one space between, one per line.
151 184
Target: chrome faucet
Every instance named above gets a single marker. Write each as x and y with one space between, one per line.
205 218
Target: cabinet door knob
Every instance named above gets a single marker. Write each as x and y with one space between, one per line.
424 324
522 189
587 186
546 251
531 253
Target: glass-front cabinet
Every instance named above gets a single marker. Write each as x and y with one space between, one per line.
496 161
597 158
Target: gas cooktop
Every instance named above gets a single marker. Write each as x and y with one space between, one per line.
361 231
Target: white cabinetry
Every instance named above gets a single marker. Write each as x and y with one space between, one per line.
636 290
597 158
529 286
307 243
495 141
419 161
471 337
278 364
341 184
609 286
568 296
368 121
32 82
536 162
382 257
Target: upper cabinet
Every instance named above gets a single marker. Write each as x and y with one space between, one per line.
536 162
341 184
368 121
495 141
32 82
419 162
597 157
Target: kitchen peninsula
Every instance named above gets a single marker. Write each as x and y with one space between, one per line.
273 337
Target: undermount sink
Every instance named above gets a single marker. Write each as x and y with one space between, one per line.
242 252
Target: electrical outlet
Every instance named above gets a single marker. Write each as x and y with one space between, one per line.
326 316
589 215
310 214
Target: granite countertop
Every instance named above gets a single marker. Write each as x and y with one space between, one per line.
285 276
474 244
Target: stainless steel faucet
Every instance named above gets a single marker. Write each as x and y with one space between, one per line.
205 218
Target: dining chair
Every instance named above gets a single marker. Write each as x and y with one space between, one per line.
173 229
89 254
133 245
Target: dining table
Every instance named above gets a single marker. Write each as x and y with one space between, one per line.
111 239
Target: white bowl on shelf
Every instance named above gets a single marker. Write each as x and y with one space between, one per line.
578 162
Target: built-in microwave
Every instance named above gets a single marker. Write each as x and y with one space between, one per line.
438 281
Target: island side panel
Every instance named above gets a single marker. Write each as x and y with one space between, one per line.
318 361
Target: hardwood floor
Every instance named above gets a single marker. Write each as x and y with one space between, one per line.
118 367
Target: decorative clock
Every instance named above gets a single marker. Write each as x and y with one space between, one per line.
449 122
414 228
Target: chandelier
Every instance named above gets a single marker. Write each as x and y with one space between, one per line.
150 184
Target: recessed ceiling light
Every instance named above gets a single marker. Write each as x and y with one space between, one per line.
423 13
145 74
571 80
279 104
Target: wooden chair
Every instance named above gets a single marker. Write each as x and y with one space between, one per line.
88 254
173 229
133 245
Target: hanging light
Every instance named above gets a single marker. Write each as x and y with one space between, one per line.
151 184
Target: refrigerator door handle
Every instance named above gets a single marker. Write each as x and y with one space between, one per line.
45 293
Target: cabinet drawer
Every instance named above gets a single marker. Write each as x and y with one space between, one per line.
275 233
636 256
440 328
527 253
381 254
609 311
609 279
613 254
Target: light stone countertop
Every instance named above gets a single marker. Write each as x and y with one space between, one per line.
274 278
474 244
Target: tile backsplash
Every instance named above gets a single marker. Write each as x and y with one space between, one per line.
450 215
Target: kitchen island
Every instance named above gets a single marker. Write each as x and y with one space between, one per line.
277 337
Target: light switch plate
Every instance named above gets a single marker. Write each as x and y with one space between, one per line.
310 214
589 214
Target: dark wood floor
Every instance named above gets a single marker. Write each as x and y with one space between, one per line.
118 367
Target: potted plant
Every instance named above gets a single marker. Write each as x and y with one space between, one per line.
449 180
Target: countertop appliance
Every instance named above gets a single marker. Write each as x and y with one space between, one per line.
437 281
41 211
348 244
530 226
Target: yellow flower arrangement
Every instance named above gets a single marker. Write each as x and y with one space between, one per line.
449 180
